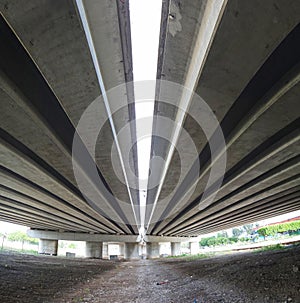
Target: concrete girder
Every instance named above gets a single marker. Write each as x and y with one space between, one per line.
250 166
42 214
265 215
20 164
63 67
81 204
212 85
265 193
257 211
248 76
37 204
255 208
267 118
31 190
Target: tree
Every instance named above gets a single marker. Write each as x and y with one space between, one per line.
222 234
248 228
272 230
72 245
19 236
236 232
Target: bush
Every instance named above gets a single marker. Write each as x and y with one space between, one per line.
279 228
233 239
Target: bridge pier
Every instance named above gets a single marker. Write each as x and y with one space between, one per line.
105 250
175 249
93 249
48 247
152 250
131 250
122 250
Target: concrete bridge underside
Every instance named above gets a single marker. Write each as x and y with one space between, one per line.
241 57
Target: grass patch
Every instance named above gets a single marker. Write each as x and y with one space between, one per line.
270 248
19 251
193 257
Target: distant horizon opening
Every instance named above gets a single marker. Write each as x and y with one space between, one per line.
145 18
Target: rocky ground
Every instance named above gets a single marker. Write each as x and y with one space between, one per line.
269 276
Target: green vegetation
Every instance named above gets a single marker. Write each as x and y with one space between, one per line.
236 232
279 228
222 237
189 257
271 247
18 250
18 236
219 240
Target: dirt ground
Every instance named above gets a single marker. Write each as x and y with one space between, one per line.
270 276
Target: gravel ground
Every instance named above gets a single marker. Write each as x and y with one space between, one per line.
258 277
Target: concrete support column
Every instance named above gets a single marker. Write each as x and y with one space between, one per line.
122 249
175 249
105 250
93 249
131 250
152 250
48 247
194 248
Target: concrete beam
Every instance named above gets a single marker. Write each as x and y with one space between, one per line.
73 236
150 238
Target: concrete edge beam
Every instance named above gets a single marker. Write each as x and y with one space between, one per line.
170 239
74 236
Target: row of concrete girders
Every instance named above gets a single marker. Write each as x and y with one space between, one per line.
236 16
68 74
245 38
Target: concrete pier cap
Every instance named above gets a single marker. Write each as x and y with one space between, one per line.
96 244
79 236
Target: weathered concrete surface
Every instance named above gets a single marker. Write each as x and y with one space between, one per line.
96 237
131 251
58 47
93 249
48 247
253 124
152 250
175 249
248 76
